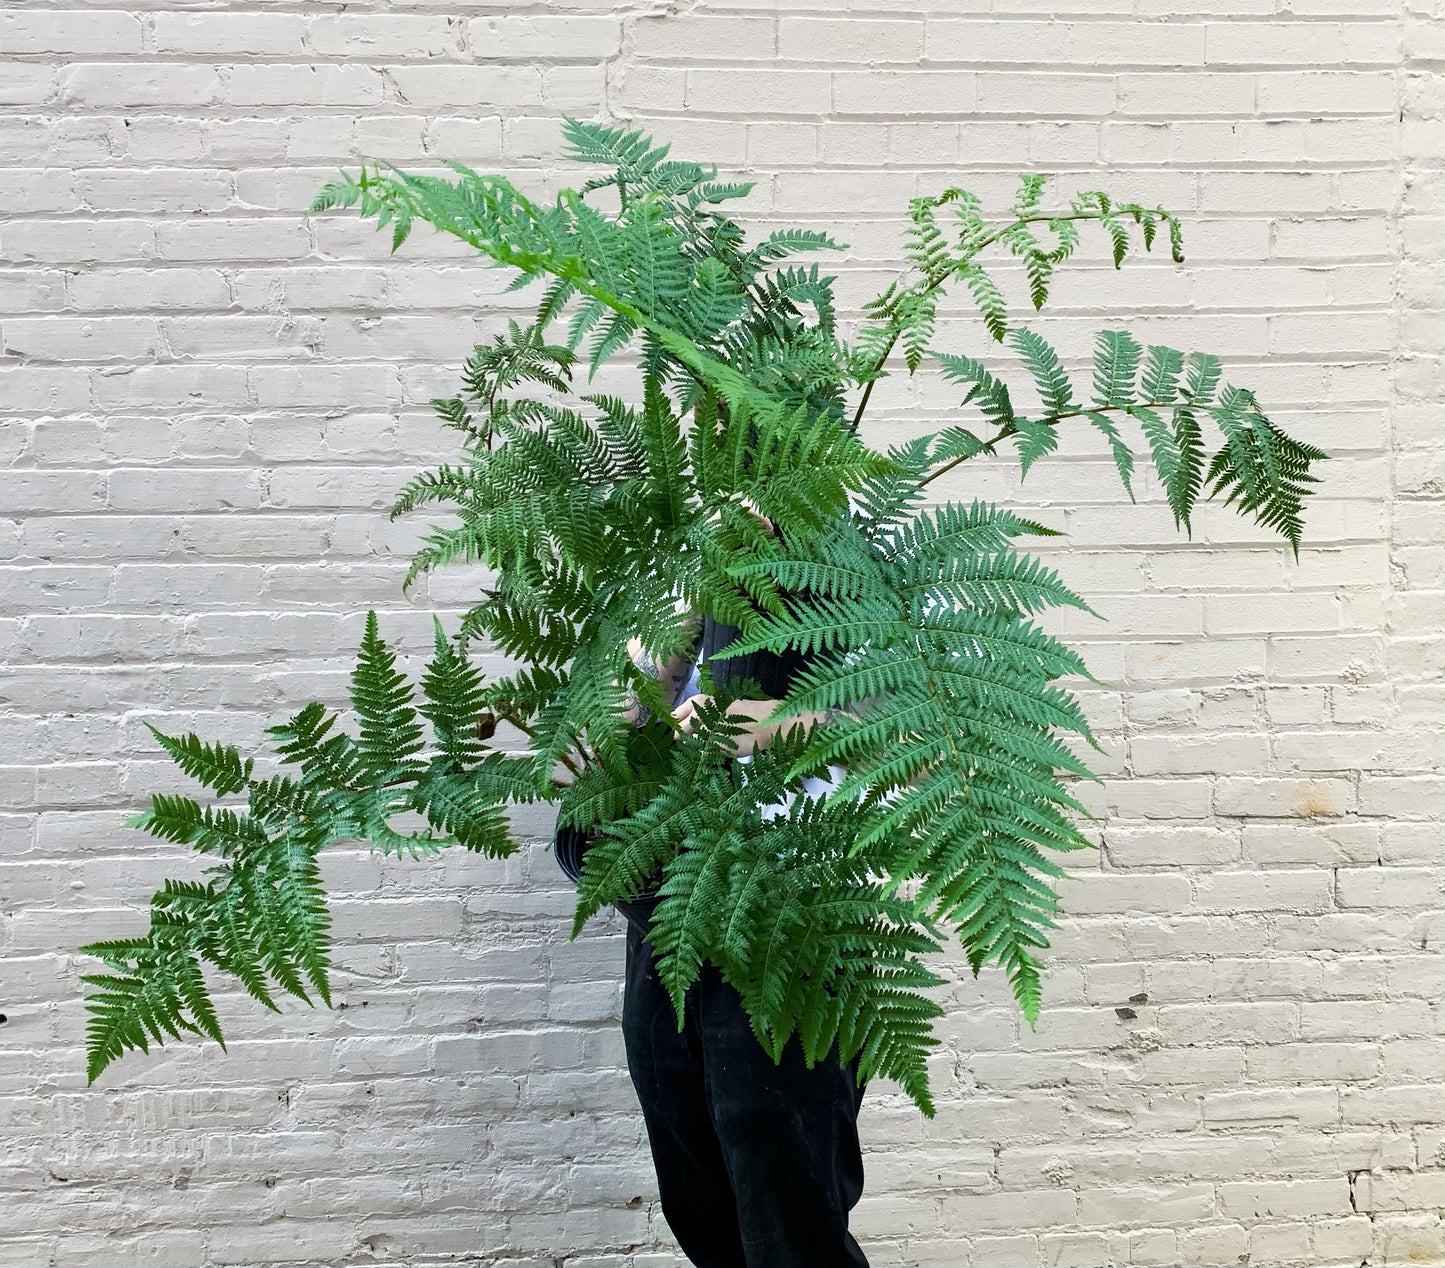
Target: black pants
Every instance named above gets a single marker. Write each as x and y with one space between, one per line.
758 1164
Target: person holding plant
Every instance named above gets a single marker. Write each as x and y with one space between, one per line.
904 673
757 1162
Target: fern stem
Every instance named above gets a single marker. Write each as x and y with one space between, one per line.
988 447
868 387
511 715
1009 430
933 284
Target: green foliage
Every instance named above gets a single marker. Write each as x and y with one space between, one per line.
1262 471
262 915
602 519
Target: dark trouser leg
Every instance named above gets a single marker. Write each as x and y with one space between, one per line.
758 1164
667 1071
789 1136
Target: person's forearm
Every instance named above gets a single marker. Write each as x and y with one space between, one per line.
672 672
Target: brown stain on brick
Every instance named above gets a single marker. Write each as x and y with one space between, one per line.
1317 802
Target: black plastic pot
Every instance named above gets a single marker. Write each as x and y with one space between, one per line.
569 845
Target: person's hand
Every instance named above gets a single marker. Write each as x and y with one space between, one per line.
751 508
757 734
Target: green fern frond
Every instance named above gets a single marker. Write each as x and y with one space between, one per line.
1116 365
1160 382
1031 189
455 700
988 299
1259 469
219 767
989 393
381 696
1048 371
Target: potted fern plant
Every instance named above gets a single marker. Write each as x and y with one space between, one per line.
733 483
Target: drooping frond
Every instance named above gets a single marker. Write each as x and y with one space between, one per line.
1260 469
262 917
1132 383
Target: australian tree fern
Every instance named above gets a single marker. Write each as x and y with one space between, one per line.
733 483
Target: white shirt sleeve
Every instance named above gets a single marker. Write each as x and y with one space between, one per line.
692 687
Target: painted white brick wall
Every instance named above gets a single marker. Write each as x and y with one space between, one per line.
206 403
